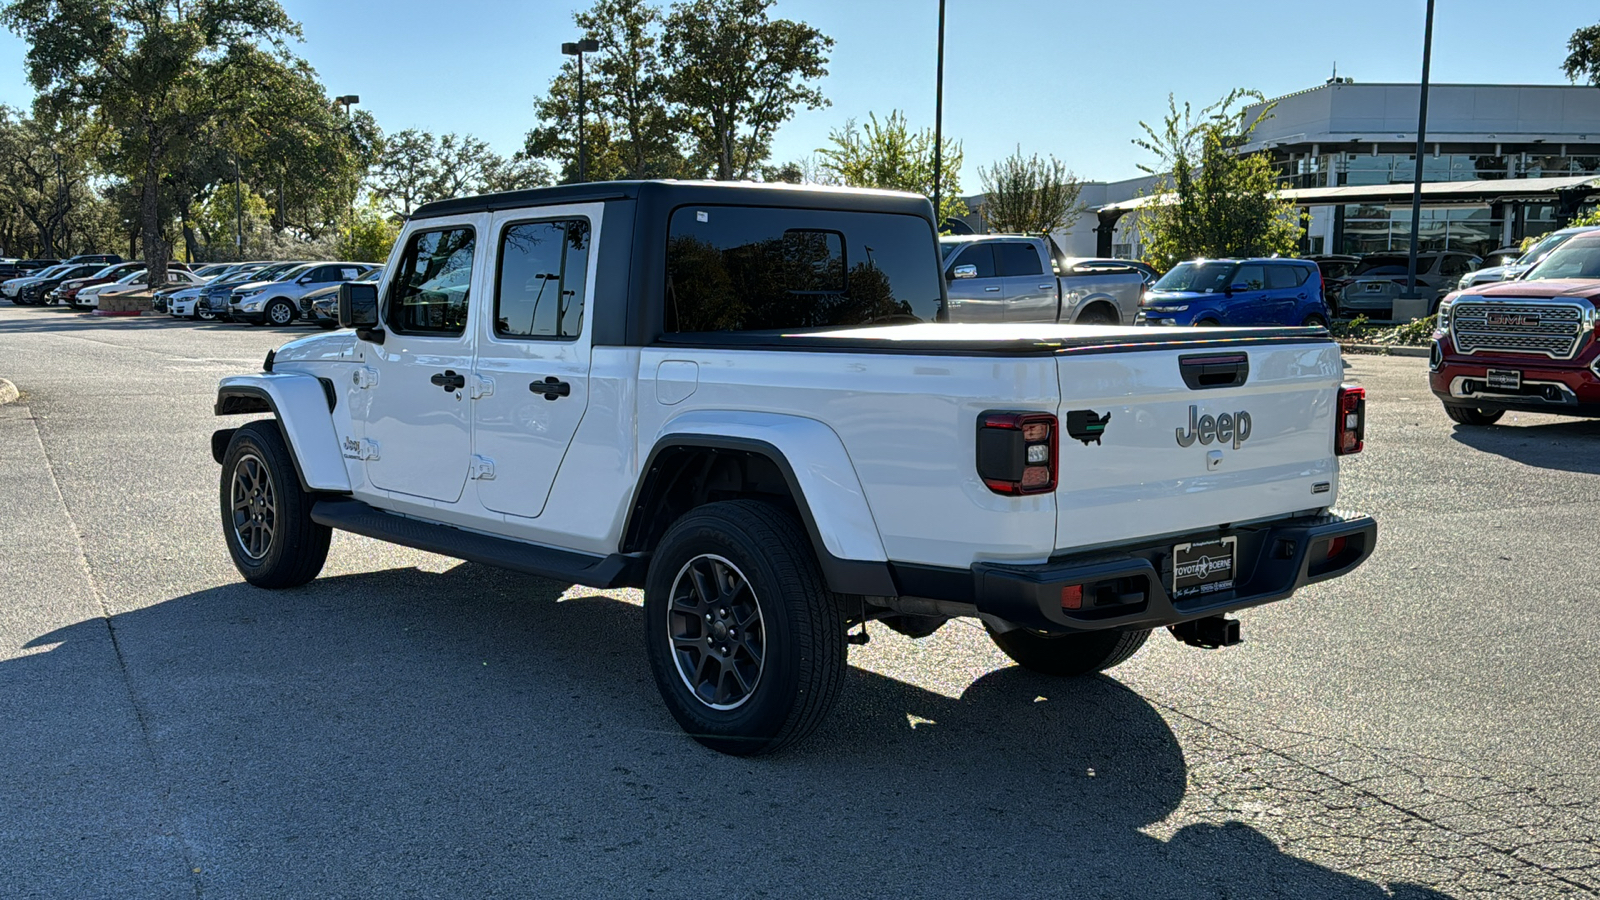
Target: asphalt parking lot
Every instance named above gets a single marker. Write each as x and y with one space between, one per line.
409 725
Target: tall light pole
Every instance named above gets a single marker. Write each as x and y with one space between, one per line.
938 126
1422 131
578 49
347 101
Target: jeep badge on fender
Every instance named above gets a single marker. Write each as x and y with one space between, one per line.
1224 428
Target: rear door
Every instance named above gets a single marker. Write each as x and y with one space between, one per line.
1284 294
980 297
532 379
1174 457
417 415
1248 304
1030 286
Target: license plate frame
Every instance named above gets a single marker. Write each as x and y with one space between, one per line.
1503 379
1217 561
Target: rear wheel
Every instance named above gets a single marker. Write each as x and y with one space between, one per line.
266 515
745 640
1315 320
1099 315
1068 654
1471 415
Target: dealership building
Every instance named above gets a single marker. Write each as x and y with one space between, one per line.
1501 162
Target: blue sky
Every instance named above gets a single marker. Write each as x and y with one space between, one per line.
1071 78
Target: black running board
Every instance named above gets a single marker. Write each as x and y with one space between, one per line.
616 570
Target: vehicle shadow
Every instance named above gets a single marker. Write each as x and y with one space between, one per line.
470 733
1567 445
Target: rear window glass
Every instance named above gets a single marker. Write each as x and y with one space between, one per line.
734 268
1018 259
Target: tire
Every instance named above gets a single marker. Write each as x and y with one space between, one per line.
1315 320
326 325
1098 315
204 315
1068 654
1207 323
270 535
1471 415
783 666
278 312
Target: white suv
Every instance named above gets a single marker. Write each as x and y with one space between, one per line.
278 302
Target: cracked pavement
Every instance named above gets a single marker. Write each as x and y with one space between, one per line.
409 725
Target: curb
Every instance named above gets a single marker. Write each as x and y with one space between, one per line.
1385 350
8 392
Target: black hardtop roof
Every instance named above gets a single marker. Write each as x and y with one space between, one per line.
678 193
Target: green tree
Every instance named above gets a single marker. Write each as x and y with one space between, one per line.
738 74
1029 195
406 169
45 166
1583 56
1210 199
147 68
629 86
225 217
889 155
370 235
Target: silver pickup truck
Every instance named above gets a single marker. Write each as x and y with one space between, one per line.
1023 278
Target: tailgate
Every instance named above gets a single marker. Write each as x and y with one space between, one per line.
1158 465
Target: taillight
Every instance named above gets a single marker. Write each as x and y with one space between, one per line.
1017 452
1350 433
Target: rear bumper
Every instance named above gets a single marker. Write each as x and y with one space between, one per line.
1273 561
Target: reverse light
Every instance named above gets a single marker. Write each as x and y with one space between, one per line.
1350 430
1017 452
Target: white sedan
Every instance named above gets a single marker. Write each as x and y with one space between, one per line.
89 297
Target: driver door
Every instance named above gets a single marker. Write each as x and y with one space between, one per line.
418 416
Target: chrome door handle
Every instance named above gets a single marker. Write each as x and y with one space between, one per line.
1046 287
993 290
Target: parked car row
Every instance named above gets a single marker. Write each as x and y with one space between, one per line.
259 292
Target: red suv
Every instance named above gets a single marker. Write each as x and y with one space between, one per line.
1527 345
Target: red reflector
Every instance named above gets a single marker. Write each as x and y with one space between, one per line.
1072 596
1335 547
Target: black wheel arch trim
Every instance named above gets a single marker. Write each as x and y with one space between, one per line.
844 576
245 399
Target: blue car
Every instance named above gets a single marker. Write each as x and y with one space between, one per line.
1236 292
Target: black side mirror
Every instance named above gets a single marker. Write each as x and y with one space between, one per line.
358 306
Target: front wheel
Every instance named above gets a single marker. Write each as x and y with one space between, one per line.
204 315
266 515
1471 415
279 312
1068 654
745 640
1207 323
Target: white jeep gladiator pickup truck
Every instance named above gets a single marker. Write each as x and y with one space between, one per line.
743 399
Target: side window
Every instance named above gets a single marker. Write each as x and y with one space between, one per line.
980 255
541 286
1281 277
430 289
1252 276
1017 258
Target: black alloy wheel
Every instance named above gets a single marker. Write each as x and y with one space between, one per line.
266 514
746 642
714 624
